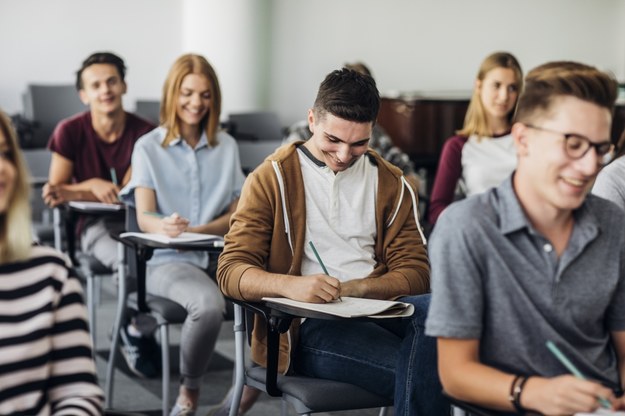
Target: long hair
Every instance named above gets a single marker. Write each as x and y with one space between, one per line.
15 224
475 121
185 65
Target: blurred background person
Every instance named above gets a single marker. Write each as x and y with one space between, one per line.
482 154
45 349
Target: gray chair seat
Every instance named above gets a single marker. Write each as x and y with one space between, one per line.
169 310
97 268
313 393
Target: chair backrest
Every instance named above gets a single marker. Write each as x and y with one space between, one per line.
149 110
38 161
47 105
258 134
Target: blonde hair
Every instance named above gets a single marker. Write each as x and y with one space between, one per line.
15 224
475 121
185 65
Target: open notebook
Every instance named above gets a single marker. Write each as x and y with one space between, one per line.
95 206
217 240
352 307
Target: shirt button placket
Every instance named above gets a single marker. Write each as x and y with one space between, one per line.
195 189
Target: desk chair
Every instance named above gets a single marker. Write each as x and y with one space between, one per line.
306 394
164 310
90 268
461 408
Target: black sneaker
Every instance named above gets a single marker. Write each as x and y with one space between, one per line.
139 353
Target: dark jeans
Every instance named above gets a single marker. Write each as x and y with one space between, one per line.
393 358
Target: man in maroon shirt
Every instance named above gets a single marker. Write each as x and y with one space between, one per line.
90 151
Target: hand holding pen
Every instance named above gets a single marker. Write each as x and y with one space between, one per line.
172 225
323 267
565 394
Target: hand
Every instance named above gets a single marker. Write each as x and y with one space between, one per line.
104 190
317 288
563 395
174 225
54 195
619 403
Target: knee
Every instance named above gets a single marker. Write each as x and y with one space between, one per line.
207 309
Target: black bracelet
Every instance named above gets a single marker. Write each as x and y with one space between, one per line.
516 388
517 396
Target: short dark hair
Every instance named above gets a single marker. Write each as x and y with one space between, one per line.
101 58
349 95
549 81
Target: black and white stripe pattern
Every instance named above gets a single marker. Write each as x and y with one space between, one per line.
46 366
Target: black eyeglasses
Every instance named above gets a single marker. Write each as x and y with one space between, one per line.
576 145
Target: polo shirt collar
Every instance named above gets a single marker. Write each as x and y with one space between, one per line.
513 217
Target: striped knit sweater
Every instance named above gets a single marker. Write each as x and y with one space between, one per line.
46 365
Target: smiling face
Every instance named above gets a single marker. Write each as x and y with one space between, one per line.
8 174
102 88
498 92
193 101
546 176
337 142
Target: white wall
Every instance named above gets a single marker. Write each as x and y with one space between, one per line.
272 54
46 41
432 45
231 35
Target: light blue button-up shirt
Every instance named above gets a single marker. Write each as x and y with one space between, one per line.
198 183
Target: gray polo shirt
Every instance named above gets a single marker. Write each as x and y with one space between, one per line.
496 279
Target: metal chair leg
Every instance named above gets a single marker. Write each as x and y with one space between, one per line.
91 307
122 294
165 361
239 362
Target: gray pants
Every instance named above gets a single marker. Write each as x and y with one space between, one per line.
96 241
192 288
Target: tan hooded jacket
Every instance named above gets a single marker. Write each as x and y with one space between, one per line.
268 229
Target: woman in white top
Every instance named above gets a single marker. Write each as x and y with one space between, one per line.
189 172
610 183
45 349
482 153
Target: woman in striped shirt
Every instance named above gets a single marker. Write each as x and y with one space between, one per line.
46 364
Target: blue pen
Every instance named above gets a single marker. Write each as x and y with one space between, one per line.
114 177
571 367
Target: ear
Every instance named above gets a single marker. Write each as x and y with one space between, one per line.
519 135
477 84
311 120
83 97
124 87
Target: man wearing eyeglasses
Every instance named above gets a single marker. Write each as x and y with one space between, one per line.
537 259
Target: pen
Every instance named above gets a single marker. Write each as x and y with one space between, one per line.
320 261
114 177
154 214
569 365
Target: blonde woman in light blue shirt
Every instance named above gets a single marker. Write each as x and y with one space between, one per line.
190 172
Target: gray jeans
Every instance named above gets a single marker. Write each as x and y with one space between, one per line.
194 289
96 240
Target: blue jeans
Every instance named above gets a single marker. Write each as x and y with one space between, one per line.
392 358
